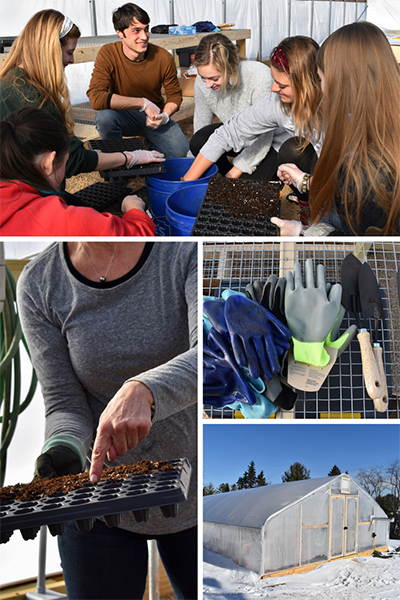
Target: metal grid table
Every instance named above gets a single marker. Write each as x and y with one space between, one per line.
232 265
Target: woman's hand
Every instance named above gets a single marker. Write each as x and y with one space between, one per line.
234 173
287 228
291 175
132 202
198 167
143 157
124 423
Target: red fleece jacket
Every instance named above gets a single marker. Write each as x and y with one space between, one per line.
23 211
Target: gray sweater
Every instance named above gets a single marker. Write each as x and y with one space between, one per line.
255 82
85 342
243 129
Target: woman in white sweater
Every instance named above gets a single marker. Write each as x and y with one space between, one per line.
225 85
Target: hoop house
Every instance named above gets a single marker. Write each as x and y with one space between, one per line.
294 526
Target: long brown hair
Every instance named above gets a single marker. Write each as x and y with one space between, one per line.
301 52
218 50
26 134
361 116
38 51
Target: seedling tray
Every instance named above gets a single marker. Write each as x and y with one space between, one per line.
238 207
108 499
101 195
125 145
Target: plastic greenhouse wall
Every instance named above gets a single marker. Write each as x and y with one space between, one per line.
293 525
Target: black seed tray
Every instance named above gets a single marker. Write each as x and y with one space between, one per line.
101 195
125 145
108 499
218 215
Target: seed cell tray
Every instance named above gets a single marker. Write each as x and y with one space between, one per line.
125 145
238 207
108 499
101 195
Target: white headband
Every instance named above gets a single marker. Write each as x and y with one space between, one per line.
66 27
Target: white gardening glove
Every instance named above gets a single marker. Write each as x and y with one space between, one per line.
150 108
143 157
291 175
132 201
157 121
287 228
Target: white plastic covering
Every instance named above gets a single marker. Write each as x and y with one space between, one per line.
288 525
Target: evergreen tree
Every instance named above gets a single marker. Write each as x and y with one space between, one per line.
248 480
334 471
250 475
296 472
208 489
222 488
260 479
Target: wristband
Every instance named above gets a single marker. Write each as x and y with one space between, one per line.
126 158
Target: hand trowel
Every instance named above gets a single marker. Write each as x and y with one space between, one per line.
350 270
372 307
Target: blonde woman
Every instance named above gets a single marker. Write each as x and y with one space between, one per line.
225 85
291 113
33 75
356 183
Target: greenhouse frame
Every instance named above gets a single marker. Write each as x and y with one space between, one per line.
293 527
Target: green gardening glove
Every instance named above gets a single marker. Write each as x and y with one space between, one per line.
344 340
311 312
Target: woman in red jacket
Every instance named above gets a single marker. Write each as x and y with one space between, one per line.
33 155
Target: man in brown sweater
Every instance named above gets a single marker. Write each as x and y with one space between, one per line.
126 86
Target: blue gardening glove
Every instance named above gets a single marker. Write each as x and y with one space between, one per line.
215 313
223 381
344 340
251 328
311 313
262 409
226 293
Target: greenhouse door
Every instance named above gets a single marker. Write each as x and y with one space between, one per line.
343 525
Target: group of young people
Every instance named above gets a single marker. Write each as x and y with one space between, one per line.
325 120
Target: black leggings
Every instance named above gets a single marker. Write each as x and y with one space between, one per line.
289 152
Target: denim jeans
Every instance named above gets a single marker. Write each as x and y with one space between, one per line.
168 139
111 563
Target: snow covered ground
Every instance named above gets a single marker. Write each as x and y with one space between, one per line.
366 578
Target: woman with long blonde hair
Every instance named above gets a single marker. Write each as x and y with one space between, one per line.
291 114
357 176
33 76
225 84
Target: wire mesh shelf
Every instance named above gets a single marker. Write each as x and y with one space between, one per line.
232 265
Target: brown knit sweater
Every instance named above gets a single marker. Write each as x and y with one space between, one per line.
114 73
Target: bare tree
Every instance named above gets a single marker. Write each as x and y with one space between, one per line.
372 480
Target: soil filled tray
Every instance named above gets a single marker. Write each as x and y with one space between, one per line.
54 502
101 195
238 207
125 145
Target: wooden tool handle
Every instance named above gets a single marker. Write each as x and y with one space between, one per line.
382 403
370 369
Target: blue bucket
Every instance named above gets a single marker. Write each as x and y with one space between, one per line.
158 201
182 208
175 168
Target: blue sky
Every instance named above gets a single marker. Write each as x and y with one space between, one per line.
228 448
